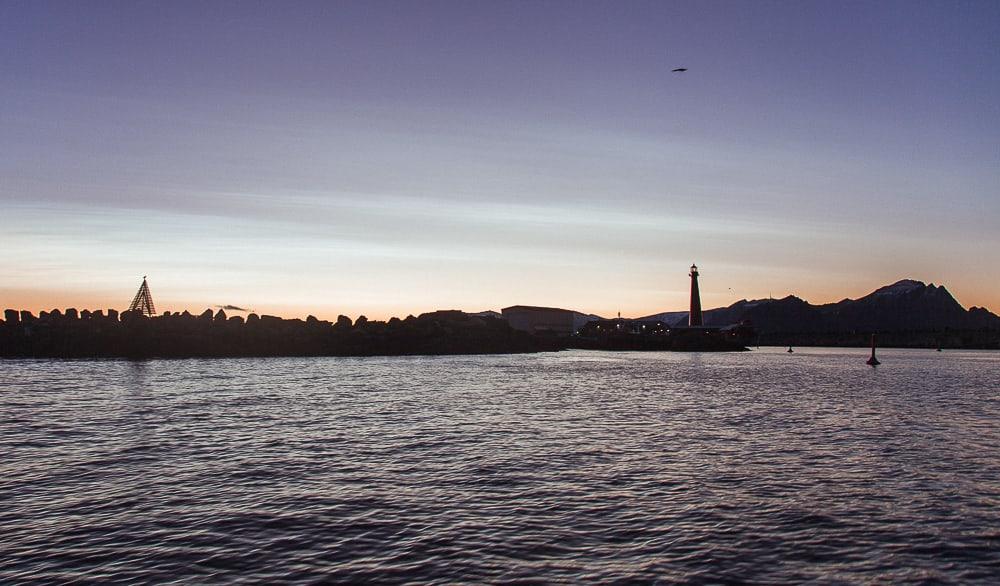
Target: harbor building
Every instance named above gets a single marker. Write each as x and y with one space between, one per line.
545 320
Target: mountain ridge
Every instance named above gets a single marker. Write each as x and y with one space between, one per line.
907 304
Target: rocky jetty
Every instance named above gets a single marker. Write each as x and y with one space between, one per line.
92 334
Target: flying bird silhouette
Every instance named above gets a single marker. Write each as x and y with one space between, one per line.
680 70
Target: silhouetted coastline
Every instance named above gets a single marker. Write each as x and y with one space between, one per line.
625 334
905 314
99 334
87 334
908 306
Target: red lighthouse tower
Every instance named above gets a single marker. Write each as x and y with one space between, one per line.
694 317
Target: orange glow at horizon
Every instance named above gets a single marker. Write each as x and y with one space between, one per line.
632 305
478 161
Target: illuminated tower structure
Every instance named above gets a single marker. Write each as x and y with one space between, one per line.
142 303
694 316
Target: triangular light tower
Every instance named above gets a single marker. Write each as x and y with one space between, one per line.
143 301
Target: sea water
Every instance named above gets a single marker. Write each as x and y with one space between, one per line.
559 467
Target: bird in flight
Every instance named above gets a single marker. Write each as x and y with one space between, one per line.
680 70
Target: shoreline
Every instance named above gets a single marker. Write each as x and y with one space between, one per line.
780 349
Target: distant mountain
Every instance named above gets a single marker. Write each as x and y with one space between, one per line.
668 317
488 313
904 305
582 319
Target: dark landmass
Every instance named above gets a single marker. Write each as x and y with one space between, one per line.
627 334
98 335
906 314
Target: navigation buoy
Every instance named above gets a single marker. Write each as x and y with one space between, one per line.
873 361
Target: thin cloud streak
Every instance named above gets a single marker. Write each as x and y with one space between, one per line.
372 156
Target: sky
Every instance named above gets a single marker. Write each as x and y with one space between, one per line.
392 158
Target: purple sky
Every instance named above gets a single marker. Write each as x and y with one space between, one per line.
392 158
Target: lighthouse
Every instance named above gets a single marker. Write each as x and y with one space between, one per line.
694 317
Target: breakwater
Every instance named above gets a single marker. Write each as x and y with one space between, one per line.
96 334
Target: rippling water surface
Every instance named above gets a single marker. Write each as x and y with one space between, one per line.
567 467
